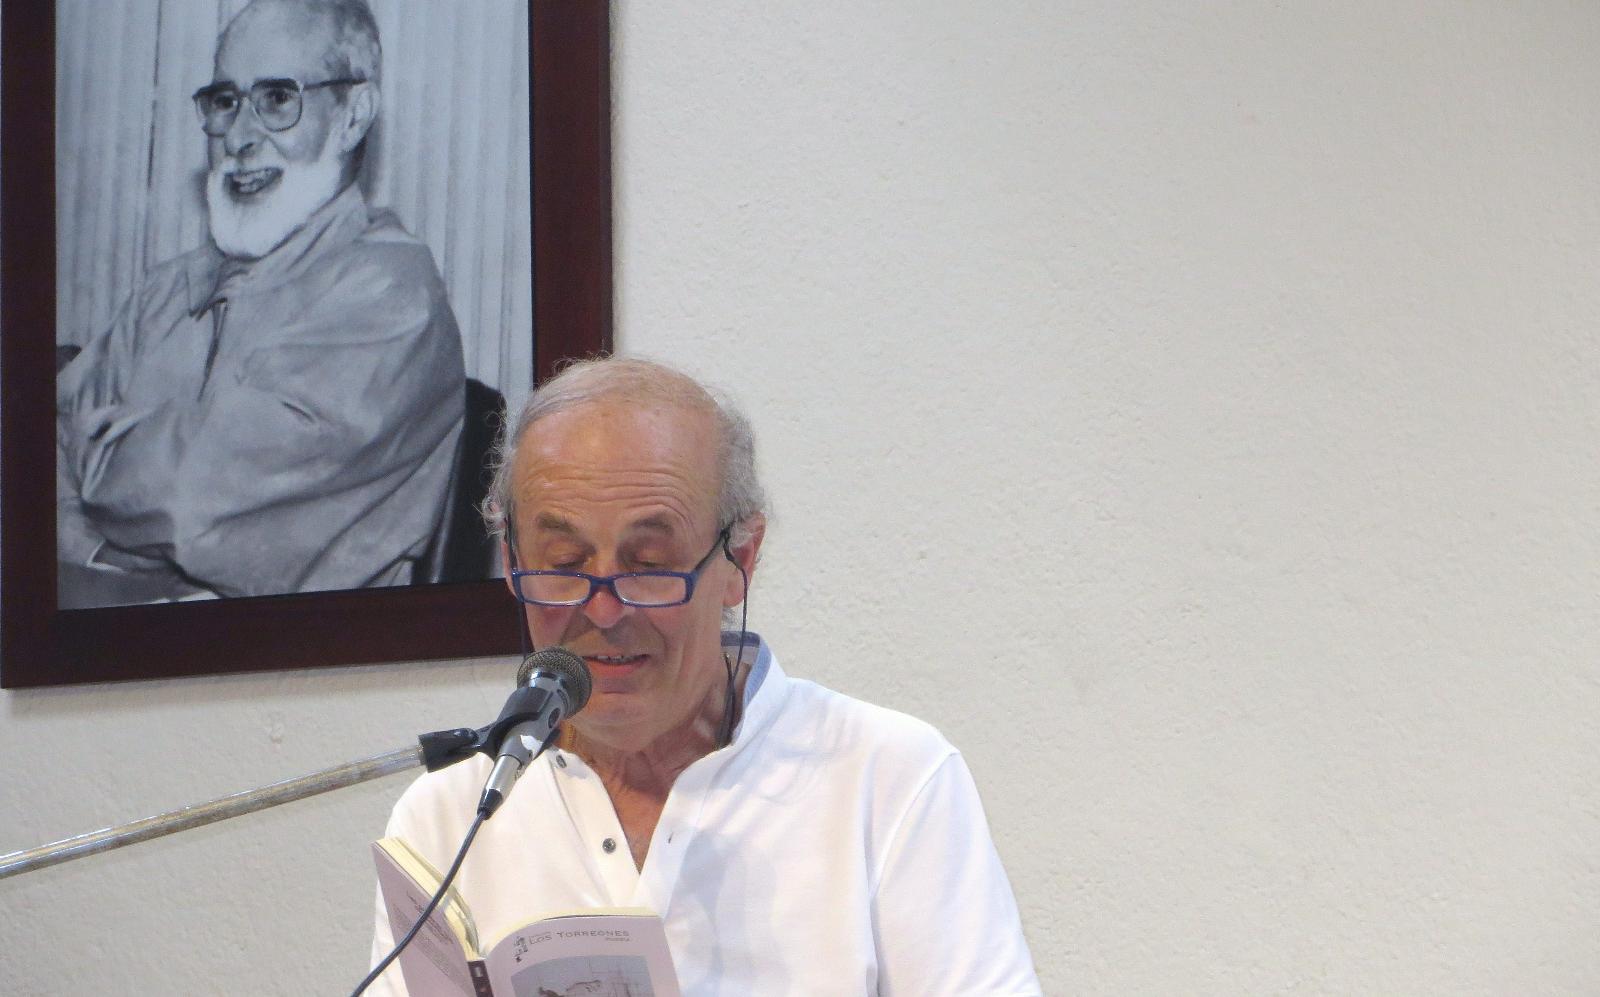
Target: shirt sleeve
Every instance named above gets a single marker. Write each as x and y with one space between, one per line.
941 869
291 447
76 538
391 983
87 383
434 820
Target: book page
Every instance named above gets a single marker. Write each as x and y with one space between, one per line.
585 955
435 963
427 879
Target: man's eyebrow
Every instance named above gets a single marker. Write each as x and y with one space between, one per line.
234 84
654 524
554 524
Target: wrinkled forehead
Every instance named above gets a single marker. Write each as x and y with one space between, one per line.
604 450
274 41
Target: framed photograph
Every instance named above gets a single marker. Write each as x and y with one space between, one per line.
272 274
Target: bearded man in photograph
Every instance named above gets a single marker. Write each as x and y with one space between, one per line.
277 410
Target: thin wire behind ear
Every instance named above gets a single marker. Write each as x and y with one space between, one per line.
727 552
744 620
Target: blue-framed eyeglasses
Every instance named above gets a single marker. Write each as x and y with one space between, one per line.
645 589
278 103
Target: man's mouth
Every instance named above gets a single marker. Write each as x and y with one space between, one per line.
614 660
248 183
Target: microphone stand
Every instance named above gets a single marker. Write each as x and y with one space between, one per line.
436 750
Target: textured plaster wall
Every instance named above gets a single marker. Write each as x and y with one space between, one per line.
1190 408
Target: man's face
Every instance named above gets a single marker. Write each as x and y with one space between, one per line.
609 487
264 184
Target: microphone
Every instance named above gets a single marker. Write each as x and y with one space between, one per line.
552 684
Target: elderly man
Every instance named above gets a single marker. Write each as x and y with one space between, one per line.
278 410
794 840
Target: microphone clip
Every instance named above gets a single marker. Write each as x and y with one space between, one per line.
443 748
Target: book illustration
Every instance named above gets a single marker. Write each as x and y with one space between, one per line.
581 976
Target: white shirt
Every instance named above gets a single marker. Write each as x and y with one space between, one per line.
833 848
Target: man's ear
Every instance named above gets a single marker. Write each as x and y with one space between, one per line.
360 111
744 555
505 559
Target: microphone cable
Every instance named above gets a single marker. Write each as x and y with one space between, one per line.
523 709
422 918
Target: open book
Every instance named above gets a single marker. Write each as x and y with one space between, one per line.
617 952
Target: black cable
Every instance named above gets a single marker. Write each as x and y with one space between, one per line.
449 877
744 618
725 735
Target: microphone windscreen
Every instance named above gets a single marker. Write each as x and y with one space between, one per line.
562 662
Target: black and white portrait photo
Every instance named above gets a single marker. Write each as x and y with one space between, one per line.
294 289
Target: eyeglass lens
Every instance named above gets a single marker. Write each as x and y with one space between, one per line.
639 590
276 102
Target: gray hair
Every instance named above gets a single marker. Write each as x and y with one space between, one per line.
354 51
739 492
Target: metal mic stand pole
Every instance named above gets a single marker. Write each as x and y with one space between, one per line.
437 750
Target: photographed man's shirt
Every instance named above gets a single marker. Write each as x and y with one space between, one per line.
279 425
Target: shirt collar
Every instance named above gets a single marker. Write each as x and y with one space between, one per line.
763 665
213 277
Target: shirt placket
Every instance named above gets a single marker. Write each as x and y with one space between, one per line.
681 820
231 276
685 813
604 846
219 314
675 831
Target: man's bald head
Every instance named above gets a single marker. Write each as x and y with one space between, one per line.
642 384
342 33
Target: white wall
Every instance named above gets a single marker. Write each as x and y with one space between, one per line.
1190 408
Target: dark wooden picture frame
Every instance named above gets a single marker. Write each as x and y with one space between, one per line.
41 645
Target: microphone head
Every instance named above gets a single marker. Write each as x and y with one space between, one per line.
569 669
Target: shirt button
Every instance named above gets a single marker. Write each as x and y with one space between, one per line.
561 761
609 845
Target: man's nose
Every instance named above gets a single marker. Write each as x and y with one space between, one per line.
604 609
245 133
